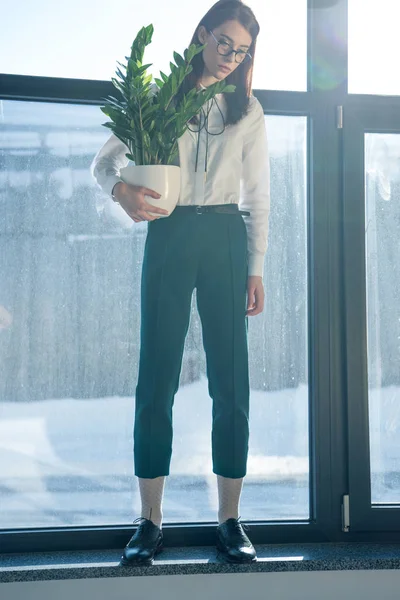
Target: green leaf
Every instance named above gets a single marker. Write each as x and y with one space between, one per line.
146 139
179 60
164 76
148 79
193 50
149 34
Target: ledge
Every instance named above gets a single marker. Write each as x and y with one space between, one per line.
199 560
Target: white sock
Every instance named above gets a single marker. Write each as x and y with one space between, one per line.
151 495
229 491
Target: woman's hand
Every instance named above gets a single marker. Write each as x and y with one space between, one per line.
255 295
132 200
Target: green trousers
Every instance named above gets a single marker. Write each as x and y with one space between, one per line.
182 252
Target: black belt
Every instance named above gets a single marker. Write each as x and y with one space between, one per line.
219 208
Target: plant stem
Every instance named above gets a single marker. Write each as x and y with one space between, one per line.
141 129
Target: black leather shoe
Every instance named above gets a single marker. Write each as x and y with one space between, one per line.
233 543
144 545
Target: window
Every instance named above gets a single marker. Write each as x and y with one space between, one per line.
70 340
373 47
282 44
371 142
53 41
382 156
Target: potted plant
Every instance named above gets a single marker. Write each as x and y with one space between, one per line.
148 121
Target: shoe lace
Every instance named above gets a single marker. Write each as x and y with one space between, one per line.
240 529
139 520
244 525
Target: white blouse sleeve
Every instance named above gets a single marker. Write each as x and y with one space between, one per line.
107 163
255 187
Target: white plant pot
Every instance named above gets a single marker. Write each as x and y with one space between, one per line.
164 179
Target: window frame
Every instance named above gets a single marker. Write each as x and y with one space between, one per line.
362 115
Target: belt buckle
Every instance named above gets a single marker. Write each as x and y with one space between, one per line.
199 210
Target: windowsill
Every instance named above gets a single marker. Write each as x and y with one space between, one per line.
199 560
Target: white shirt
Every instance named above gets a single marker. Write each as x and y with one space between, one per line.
237 170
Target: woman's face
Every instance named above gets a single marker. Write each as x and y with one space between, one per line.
230 32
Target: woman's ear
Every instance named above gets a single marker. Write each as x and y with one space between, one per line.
201 34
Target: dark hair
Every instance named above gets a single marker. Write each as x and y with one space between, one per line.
222 11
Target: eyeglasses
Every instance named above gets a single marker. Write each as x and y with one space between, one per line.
226 49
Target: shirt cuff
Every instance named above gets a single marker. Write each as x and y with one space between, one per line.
256 264
108 185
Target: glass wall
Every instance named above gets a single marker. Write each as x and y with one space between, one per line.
69 339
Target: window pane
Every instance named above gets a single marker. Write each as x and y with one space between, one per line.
278 342
281 62
69 336
101 38
373 47
382 155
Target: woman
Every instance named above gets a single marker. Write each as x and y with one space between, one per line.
205 244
